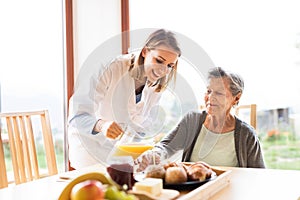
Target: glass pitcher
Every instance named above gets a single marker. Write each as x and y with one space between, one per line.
132 143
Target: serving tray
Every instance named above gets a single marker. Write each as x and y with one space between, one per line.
210 188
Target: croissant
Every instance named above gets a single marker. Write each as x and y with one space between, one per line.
198 172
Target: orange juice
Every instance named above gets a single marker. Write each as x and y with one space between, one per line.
132 149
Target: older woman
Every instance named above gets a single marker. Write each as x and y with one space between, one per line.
214 136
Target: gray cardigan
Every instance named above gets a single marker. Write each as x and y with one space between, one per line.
184 136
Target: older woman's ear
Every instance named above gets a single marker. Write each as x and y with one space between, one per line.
237 98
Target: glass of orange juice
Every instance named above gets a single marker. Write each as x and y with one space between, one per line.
132 149
131 144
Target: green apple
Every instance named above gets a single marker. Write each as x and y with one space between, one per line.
88 190
112 193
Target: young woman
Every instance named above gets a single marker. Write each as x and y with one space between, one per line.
125 91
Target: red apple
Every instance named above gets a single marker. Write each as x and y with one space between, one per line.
88 190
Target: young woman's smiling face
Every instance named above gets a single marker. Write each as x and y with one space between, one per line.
158 62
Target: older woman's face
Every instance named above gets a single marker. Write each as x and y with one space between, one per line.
158 62
218 98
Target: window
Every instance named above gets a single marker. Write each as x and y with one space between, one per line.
31 61
254 40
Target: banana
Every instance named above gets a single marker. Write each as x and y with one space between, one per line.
104 179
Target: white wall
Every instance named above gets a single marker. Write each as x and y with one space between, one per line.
95 21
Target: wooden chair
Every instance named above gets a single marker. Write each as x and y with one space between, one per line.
252 113
23 130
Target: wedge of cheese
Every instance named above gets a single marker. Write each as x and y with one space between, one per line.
152 186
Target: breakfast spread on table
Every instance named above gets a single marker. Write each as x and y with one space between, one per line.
119 182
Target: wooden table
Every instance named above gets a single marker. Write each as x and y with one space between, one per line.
261 184
254 184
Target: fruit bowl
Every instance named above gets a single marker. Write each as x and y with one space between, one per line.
104 179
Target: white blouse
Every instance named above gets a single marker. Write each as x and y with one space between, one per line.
214 148
107 93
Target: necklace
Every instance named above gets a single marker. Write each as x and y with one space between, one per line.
208 142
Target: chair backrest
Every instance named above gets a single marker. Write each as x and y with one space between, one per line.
24 131
252 109
3 175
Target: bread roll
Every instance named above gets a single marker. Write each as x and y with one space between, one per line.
175 175
155 171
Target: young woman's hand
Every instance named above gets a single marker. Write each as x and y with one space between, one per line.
109 128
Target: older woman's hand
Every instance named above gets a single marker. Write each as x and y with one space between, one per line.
147 158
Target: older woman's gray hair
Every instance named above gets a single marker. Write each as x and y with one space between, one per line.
236 82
